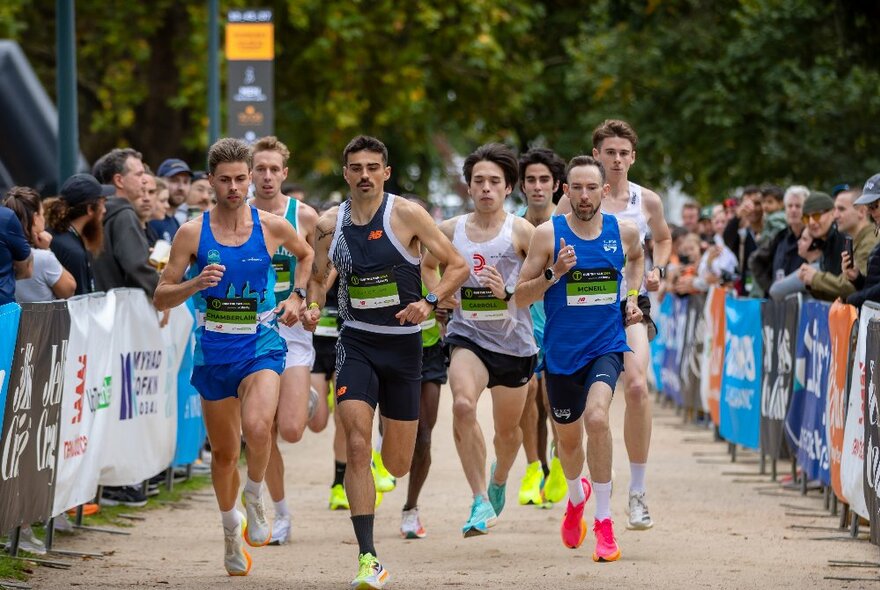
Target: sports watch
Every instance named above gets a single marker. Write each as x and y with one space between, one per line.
549 274
432 299
508 293
300 291
662 271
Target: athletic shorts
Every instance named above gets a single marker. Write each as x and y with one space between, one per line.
644 303
380 369
300 352
568 393
217 382
434 364
325 356
504 369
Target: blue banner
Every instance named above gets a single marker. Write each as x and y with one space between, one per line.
10 314
658 344
805 427
741 381
190 426
676 325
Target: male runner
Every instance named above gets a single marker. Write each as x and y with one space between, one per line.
270 171
575 263
239 354
614 144
374 241
490 331
542 173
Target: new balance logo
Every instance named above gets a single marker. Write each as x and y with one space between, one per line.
341 391
562 414
375 235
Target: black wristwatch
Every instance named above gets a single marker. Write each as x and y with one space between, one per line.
508 293
662 271
300 291
549 274
432 299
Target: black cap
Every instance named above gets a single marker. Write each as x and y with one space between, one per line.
172 167
82 188
818 202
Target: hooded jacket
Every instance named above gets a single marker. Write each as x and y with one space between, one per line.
123 263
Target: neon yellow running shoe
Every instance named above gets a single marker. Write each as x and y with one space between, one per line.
385 482
371 574
338 498
530 488
555 487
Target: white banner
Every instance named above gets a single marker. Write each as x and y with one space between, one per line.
143 409
705 362
852 463
85 400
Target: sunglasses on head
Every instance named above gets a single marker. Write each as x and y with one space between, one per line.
814 217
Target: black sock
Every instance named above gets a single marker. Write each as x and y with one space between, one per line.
546 470
363 530
339 476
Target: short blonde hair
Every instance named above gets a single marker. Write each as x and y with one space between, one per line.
270 143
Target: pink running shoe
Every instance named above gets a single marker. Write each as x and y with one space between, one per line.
606 545
574 527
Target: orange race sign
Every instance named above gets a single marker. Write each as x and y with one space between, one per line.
841 318
250 41
716 359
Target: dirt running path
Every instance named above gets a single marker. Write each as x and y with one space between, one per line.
710 532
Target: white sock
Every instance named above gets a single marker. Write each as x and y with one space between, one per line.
637 477
377 442
281 508
575 491
253 488
602 491
230 518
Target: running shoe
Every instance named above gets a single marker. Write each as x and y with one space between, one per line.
257 529
371 574
338 498
639 517
574 527
482 517
28 541
385 482
411 526
555 487
530 489
123 496
280 530
497 492
236 558
606 544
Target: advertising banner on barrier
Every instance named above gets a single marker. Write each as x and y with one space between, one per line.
9 317
190 427
33 409
85 402
780 323
852 463
658 344
841 318
805 425
741 383
675 328
716 329
872 429
143 411
692 358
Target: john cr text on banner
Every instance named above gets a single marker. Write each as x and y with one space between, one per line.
741 382
85 403
692 358
852 463
9 317
780 323
140 436
840 324
33 409
872 430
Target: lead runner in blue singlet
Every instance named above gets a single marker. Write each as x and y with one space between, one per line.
239 354
374 241
576 263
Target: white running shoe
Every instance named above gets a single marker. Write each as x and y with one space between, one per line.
236 559
410 525
639 517
28 541
280 530
257 529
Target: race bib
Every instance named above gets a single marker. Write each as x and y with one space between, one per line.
594 286
479 304
328 325
372 291
231 316
281 265
428 323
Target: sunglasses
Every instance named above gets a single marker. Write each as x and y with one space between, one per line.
814 217
873 205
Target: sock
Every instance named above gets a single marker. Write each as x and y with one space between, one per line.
637 477
603 500
230 518
363 530
253 488
546 470
575 491
281 508
339 476
378 442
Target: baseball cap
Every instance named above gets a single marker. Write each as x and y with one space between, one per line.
818 202
871 191
82 188
172 167
200 175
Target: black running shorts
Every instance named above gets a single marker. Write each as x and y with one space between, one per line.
325 356
504 369
380 369
645 305
568 393
434 364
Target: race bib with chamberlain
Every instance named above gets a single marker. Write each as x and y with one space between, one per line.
479 304
373 290
592 286
231 316
281 265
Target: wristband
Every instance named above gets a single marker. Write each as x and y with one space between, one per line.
632 293
314 305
